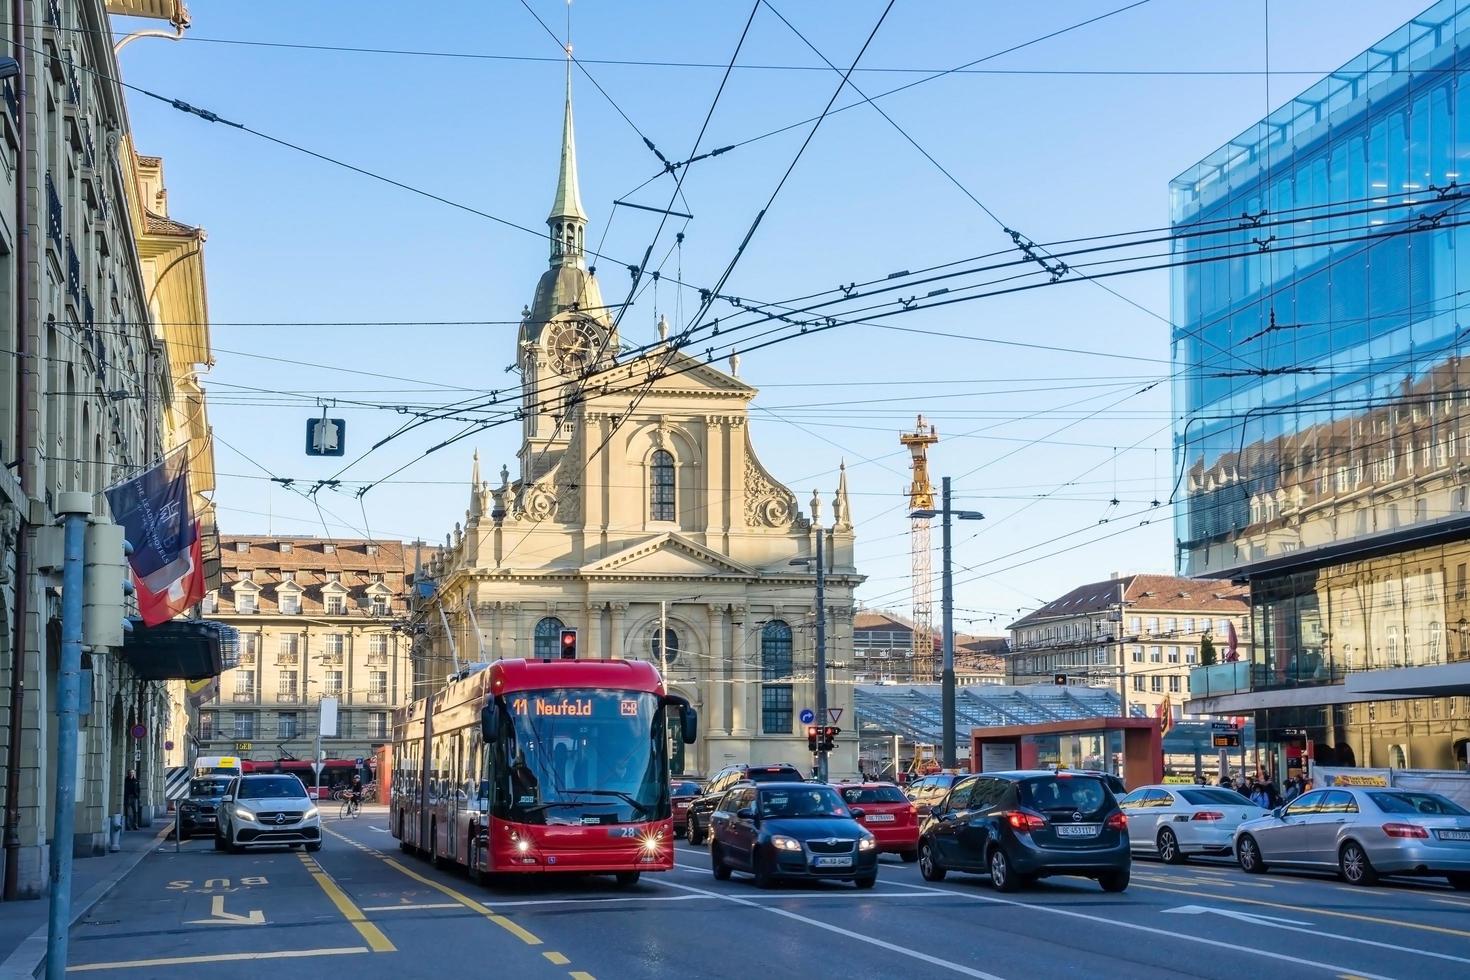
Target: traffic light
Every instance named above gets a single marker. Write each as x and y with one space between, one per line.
1059 679
569 644
829 737
811 737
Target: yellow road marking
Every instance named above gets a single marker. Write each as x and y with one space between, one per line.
280 954
1317 911
375 939
579 975
557 959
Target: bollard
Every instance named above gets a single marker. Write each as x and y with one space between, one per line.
178 829
114 840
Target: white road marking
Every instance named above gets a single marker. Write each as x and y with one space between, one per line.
1292 925
950 965
377 828
594 901
404 908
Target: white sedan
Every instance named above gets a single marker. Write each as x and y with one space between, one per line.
1176 821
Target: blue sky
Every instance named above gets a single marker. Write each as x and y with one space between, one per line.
295 240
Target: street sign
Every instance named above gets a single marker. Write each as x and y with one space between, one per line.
326 437
808 716
168 746
1294 732
139 731
316 768
1222 726
835 714
358 762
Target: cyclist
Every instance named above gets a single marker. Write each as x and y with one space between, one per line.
354 795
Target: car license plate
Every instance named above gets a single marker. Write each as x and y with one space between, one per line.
879 818
843 861
1076 829
1454 835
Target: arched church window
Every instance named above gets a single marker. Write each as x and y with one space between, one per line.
776 699
667 652
548 638
662 486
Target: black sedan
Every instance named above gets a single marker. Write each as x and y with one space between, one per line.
781 831
197 811
1020 826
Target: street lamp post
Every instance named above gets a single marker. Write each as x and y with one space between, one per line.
821 571
947 684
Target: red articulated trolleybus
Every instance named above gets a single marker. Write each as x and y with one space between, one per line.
536 766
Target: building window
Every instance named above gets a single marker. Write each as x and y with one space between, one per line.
1223 627
667 652
332 683
247 576
378 724
662 486
245 603
206 725
249 649
548 638
286 689
1170 624
380 605
288 724
776 715
1156 684
285 547
334 576
1173 655
1393 646
1174 684
1138 684
372 549
1156 655
329 548
333 646
1432 638
288 576
286 649
290 604
1138 655
336 605
1153 624
242 547
210 604
1191 655
377 648
245 686
377 687
244 725
1134 624
1189 624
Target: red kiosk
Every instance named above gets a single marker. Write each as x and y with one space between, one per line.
1086 743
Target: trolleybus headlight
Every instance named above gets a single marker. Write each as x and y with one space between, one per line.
523 846
652 842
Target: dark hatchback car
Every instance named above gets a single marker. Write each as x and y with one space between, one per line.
702 807
780 831
681 794
1020 826
198 811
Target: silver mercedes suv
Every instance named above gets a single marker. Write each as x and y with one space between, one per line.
260 810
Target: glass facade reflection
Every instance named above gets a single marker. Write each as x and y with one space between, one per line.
1321 395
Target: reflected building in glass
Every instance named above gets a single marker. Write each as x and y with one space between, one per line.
1322 404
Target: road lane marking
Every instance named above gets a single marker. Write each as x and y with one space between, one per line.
375 939
848 933
279 954
556 958
1169 934
595 901
579 975
1451 901
402 908
1294 925
1355 916
255 917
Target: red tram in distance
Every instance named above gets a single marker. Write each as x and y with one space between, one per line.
523 767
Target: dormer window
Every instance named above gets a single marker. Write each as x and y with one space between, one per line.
336 605
334 576
329 548
288 576
242 547
372 549
246 575
285 547
290 604
245 603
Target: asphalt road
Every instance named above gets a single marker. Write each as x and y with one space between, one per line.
361 907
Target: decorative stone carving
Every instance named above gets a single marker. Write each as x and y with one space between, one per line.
767 503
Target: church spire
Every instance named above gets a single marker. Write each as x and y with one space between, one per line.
567 221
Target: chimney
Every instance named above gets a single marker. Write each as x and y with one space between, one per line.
1114 576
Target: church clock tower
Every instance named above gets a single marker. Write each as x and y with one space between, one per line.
566 333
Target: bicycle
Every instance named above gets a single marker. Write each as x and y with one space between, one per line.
351 806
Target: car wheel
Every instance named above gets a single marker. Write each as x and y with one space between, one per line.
1353 863
1002 877
627 879
1114 881
314 847
1459 881
694 835
929 865
1169 851
909 857
867 881
717 863
1248 854
760 867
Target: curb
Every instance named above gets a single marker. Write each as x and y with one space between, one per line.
29 959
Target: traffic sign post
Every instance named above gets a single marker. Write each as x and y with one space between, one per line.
808 716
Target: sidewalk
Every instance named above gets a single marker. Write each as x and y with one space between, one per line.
23 924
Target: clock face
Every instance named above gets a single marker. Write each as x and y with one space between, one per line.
574 345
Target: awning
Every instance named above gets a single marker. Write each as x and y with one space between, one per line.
1432 680
181 649
172 11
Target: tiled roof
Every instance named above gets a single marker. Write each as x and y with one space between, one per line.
1142 594
310 563
156 224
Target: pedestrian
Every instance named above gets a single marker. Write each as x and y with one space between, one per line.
1259 796
132 811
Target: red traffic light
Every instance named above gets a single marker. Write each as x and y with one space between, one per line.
569 644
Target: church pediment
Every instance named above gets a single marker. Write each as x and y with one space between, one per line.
668 554
681 375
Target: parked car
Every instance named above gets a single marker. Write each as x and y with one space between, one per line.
197 810
1363 833
888 815
1019 826
702 807
681 794
929 790
786 830
1176 821
267 809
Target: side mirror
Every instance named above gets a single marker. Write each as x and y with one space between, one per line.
746 813
490 720
857 812
227 798
1279 813
688 717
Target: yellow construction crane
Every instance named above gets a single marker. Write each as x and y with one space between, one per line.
921 497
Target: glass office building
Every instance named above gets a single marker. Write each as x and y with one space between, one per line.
1321 302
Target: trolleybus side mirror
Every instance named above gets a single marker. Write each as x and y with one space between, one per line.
490 721
688 717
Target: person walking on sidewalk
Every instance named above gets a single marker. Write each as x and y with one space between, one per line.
132 810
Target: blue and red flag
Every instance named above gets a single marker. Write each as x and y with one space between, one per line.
157 517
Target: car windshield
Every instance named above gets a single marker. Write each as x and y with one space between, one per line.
684 789
578 756
873 794
208 787
809 801
272 788
1056 793
1215 797
1431 804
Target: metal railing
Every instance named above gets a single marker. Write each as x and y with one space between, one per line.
244 697
89 146
286 660
12 101
73 271
73 84
377 697
53 212
287 697
53 13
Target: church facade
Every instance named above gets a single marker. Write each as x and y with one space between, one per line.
642 517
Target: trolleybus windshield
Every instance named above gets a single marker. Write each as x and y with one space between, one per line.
582 756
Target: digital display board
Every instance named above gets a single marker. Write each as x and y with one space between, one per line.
569 706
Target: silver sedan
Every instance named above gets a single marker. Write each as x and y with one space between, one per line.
1175 821
1362 833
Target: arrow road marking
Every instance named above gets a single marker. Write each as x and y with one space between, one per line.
1291 925
255 917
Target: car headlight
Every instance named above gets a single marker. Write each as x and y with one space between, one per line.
244 814
311 811
867 843
785 843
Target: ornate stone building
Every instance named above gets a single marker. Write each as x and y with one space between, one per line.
621 520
